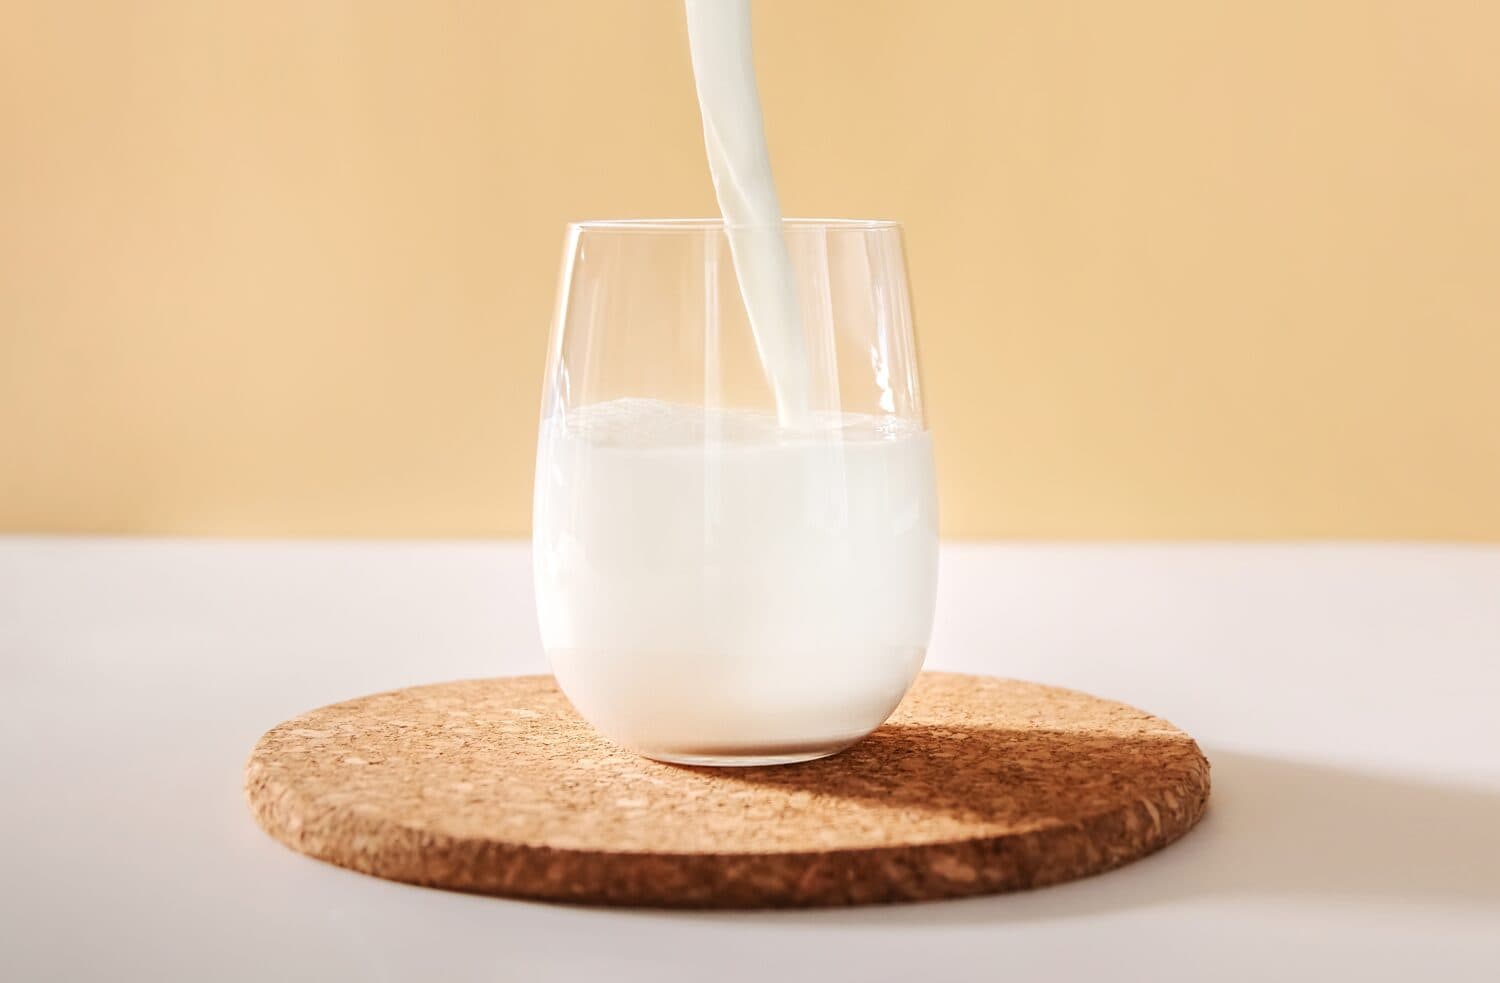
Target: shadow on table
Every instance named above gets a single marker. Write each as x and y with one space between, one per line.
1274 829
1283 829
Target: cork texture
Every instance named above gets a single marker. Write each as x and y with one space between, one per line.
975 785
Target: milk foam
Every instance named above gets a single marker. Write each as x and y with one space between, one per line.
654 423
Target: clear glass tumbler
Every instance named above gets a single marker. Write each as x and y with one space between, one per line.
717 586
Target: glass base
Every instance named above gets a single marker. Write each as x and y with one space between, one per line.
747 758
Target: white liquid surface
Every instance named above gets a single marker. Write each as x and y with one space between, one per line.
711 583
735 138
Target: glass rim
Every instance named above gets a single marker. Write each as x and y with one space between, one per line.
717 224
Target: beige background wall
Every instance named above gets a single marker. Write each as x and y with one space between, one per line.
1181 269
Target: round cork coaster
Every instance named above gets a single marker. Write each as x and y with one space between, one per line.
975 785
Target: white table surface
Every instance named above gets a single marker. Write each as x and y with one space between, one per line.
1348 697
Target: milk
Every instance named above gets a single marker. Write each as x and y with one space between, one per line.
712 584
735 139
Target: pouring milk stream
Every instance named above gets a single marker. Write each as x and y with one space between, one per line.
735 138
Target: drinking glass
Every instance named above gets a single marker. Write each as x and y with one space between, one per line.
715 585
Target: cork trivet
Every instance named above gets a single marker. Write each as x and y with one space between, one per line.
976 785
